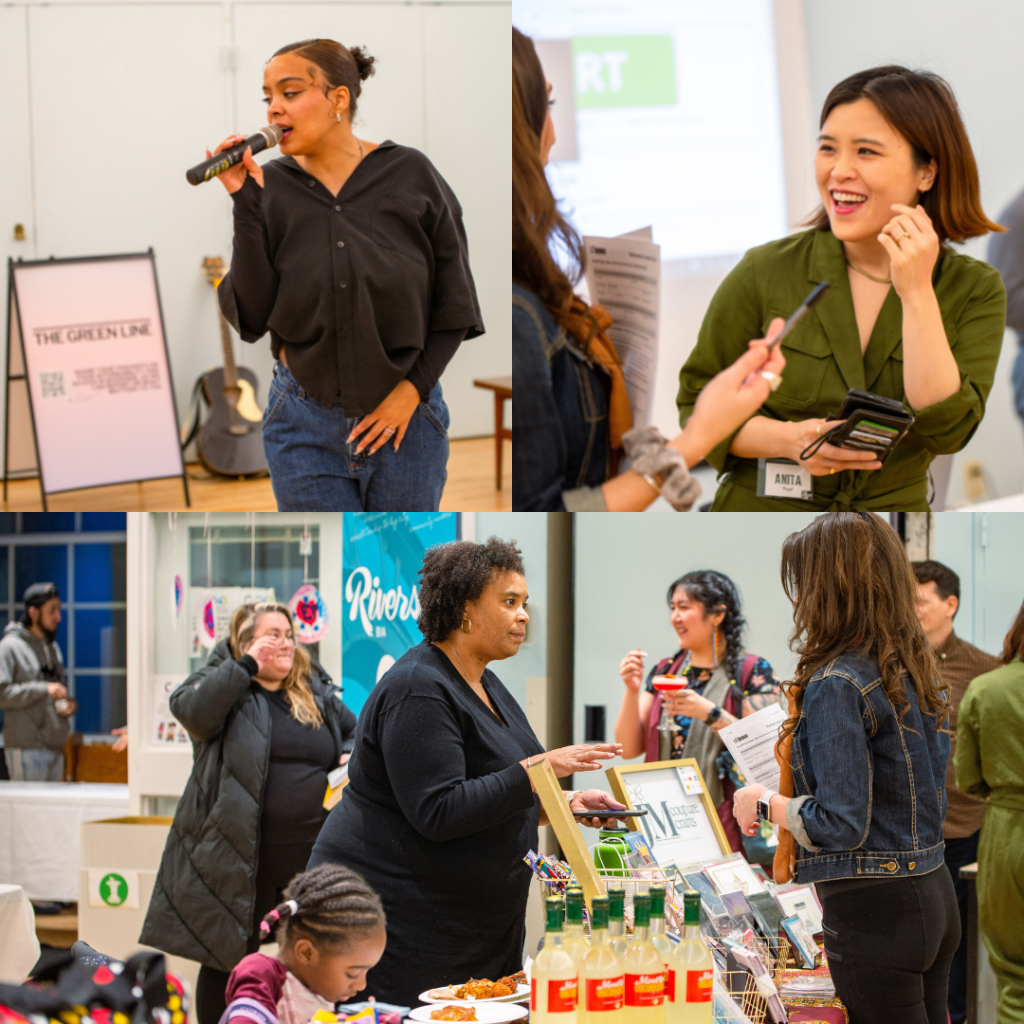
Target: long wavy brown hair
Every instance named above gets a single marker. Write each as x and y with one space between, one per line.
536 220
1013 645
853 592
295 686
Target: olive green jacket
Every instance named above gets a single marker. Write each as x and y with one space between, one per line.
823 361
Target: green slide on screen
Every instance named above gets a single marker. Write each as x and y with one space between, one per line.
624 71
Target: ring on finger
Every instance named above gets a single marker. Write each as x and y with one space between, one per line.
832 469
896 238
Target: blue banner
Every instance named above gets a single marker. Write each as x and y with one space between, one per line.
381 557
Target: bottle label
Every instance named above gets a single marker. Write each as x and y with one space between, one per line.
698 986
561 995
605 993
670 984
645 989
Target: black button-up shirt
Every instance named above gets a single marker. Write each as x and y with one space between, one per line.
361 290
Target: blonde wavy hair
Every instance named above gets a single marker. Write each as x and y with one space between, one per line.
297 690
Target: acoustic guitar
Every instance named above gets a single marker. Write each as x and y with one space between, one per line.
231 440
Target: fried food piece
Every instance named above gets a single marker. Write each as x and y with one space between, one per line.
461 1013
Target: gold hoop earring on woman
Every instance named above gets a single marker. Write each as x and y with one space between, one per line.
467 625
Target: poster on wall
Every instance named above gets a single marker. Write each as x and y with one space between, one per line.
212 608
381 556
165 729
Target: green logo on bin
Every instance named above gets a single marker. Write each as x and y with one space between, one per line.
624 71
113 889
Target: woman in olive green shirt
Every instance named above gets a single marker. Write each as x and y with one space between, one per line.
907 318
989 762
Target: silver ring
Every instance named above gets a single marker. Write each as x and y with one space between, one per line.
389 430
773 379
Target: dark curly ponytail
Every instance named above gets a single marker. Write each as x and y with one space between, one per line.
341 65
329 905
716 592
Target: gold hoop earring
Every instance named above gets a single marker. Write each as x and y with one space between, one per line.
465 623
714 648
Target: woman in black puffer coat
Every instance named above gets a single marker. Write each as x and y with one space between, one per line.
266 730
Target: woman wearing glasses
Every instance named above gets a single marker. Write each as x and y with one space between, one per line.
265 734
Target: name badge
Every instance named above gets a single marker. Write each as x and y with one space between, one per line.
783 478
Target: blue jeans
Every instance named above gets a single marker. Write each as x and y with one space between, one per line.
314 469
34 765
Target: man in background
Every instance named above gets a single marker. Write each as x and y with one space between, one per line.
32 692
1006 254
938 598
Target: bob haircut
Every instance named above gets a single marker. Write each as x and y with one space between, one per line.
922 108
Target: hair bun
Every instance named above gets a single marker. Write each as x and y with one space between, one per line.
364 62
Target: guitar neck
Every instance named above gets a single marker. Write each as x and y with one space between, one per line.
230 370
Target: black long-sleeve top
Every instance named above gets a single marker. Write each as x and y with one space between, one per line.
361 290
438 816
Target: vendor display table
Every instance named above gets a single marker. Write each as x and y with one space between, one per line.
40 832
19 947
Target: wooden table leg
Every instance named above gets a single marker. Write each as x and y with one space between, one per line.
499 423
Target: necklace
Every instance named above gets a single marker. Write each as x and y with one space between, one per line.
451 647
870 277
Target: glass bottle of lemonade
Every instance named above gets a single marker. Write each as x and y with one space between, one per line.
616 923
663 944
553 980
694 968
575 942
644 971
601 984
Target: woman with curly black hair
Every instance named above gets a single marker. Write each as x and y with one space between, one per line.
724 683
439 811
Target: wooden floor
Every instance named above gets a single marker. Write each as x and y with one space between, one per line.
470 488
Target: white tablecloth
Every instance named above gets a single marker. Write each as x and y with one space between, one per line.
40 832
19 947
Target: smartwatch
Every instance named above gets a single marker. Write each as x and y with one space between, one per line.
764 805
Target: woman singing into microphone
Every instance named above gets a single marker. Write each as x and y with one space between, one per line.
353 255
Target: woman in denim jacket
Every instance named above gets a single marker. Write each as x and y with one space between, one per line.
863 759
571 405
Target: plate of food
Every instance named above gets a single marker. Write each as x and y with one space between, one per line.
480 990
485 1013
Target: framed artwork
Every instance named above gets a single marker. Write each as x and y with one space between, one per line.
801 901
681 824
567 831
801 941
734 876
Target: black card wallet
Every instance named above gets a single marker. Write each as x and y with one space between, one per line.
873 423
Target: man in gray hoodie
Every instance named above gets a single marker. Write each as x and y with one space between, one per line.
31 685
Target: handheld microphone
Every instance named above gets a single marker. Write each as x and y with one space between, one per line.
265 138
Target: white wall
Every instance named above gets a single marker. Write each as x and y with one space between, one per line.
978 55
624 566
108 104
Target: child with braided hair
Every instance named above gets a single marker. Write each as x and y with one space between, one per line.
330 930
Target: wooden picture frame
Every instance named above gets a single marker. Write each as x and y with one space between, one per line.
666 823
567 831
